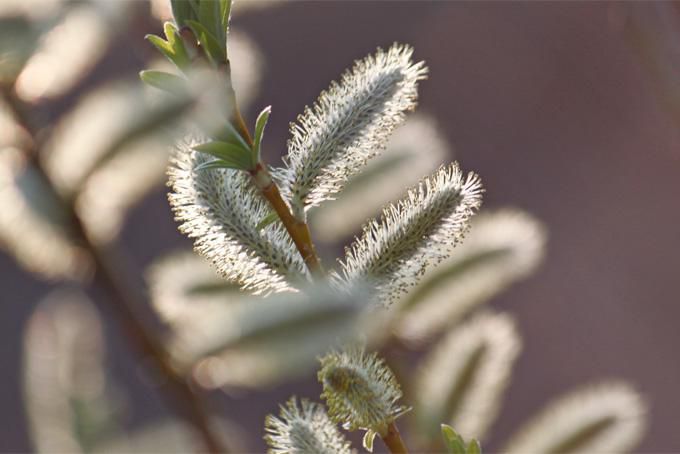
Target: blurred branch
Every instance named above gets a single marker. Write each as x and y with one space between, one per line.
124 299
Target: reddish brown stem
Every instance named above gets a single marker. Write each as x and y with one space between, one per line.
298 231
393 440
124 300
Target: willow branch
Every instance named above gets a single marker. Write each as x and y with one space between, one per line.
296 228
123 299
393 440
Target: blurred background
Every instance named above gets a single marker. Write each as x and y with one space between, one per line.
570 111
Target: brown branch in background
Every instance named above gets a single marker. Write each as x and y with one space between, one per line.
393 440
123 300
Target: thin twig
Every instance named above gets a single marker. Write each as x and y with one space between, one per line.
123 299
297 229
393 440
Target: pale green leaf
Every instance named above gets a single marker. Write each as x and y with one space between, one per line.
268 220
164 81
213 49
228 152
454 442
225 13
180 55
368 439
210 16
259 131
218 164
183 10
474 447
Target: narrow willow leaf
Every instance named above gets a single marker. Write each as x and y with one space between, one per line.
367 441
118 185
474 447
259 131
237 157
453 441
212 47
415 149
394 252
303 429
64 377
180 56
66 54
502 247
268 220
183 10
361 392
220 210
348 124
163 47
461 382
30 229
251 343
610 417
219 164
213 14
225 14
164 81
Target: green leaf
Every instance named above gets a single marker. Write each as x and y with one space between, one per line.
183 10
209 14
217 164
267 220
225 14
474 447
164 81
173 48
228 152
231 135
259 131
165 48
369 436
454 442
181 57
215 52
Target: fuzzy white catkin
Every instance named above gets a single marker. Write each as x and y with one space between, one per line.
304 429
118 185
220 209
502 247
66 54
605 418
349 124
415 149
172 282
412 234
474 361
253 342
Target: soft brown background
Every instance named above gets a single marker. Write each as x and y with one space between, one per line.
552 107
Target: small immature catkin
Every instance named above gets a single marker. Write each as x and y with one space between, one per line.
360 390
